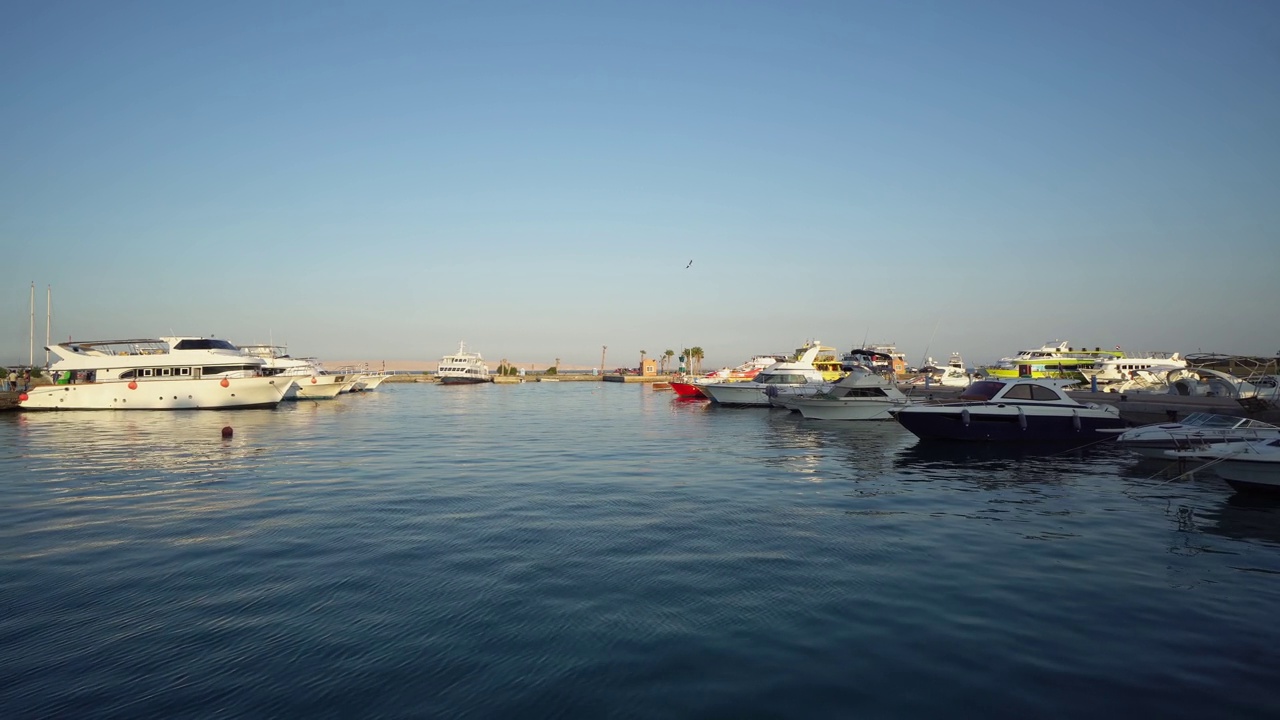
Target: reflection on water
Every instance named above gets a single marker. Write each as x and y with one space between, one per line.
1244 516
589 549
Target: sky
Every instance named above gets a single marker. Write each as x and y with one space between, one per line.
382 180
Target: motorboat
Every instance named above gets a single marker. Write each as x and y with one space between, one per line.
311 380
1054 359
166 373
690 386
952 374
1121 369
463 368
370 380
1196 431
1253 465
753 392
1022 409
861 395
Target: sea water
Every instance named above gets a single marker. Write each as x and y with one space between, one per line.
600 550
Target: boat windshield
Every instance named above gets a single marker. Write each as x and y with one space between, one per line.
982 390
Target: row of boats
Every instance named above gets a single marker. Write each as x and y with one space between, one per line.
179 373
995 408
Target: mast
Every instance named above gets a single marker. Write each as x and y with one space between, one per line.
48 321
31 340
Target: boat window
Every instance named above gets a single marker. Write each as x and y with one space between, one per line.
1040 392
166 372
128 374
146 372
205 344
184 371
1019 392
982 390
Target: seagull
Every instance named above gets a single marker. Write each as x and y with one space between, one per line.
686 267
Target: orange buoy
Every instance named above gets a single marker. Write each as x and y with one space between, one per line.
227 431
313 381
225 383
23 397
133 384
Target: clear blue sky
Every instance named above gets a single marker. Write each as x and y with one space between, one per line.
379 180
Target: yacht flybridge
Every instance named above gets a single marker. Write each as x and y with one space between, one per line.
166 373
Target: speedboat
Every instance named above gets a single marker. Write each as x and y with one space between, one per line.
753 392
1253 465
311 382
861 395
167 373
1196 431
1022 409
463 368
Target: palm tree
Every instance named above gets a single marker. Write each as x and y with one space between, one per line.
666 359
642 354
686 359
697 355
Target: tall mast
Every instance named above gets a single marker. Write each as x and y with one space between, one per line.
31 340
48 321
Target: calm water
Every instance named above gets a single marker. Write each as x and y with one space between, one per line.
597 550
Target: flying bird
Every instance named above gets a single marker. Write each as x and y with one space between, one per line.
686 267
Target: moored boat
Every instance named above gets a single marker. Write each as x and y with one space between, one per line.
754 392
168 373
311 381
690 386
1198 431
1248 466
862 395
1023 409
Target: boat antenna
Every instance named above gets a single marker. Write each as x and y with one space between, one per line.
924 359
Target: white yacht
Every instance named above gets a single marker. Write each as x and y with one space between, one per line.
167 373
861 395
311 382
463 368
1122 369
755 392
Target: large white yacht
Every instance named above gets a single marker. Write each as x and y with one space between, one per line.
311 382
1122 369
755 392
167 373
463 368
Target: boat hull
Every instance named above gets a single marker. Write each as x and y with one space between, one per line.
321 387
1250 475
745 394
161 394
446 380
837 409
996 423
687 390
